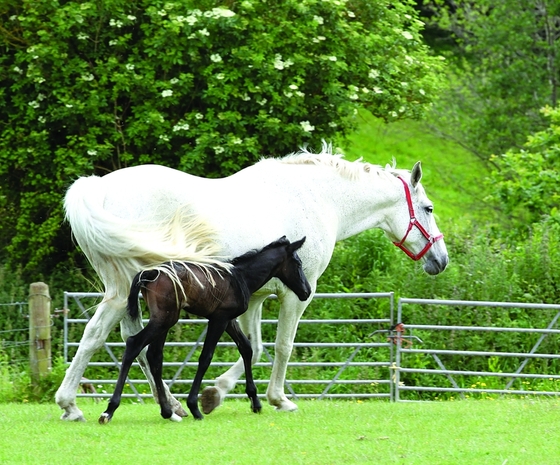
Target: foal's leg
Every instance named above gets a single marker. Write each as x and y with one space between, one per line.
134 345
246 352
108 314
250 323
216 328
155 359
129 327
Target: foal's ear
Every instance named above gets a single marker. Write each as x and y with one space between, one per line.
416 174
296 245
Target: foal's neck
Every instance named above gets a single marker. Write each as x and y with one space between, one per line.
258 272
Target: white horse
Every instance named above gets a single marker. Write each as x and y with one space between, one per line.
136 217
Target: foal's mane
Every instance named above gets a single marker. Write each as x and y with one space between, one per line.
348 169
252 253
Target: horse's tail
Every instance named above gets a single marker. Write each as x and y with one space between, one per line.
121 246
132 306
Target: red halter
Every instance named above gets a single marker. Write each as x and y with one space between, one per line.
414 222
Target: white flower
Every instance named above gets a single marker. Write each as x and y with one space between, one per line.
373 74
215 58
117 23
333 124
129 66
293 86
92 152
220 76
306 126
377 90
219 149
13 18
68 105
300 94
17 69
33 104
204 32
351 14
422 92
191 19
394 114
365 90
113 42
353 97
288 94
222 12
199 116
262 102
173 81
181 127
167 93
87 77
332 58
39 79
318 19
164 138
82 36
162 12
407 35
245 97
278 63
131 18
404 84
41 97
237 141
42 119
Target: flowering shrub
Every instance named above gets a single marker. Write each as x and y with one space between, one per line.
202 86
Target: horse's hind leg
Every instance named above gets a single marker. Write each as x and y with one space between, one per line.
130 327
246 352
134 345
107 315
155 359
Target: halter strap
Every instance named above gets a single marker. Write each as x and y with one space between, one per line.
414 222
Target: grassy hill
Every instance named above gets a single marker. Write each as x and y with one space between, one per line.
453 177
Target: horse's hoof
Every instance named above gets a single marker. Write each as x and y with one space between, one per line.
175 417
210 399
104 418
180 411
72 417
284 406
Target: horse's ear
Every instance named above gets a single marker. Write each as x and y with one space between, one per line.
416 174
297 244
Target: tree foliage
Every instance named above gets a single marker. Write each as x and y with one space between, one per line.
504 70
206 87
526 181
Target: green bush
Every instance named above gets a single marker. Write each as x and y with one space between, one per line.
90 87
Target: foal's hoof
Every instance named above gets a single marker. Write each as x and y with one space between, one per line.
104 418
210 399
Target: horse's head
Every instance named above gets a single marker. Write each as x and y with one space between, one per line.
414 227
290 271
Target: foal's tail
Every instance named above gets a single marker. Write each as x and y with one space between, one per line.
137 283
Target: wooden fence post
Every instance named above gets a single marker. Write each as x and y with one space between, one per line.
39 331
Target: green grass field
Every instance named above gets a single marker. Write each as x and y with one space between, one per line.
512 432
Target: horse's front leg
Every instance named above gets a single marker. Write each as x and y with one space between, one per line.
130 327
250 323
216 328
105 318
246 352
288 318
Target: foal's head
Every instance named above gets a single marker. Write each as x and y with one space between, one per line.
290 271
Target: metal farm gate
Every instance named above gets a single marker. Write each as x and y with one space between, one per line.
77 314
400 354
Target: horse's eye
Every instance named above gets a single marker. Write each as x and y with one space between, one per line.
429 209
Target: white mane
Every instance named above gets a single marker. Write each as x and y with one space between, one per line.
349 169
